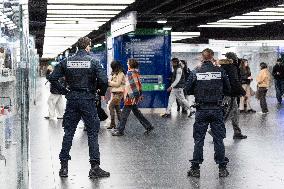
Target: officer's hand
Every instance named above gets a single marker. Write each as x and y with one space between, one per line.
169 89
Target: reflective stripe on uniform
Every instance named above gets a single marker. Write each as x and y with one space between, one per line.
209 75
78 64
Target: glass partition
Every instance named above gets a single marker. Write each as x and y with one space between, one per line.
18 72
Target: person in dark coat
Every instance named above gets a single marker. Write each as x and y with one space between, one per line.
278 74
237 90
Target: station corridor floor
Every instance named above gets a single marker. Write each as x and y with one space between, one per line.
159 160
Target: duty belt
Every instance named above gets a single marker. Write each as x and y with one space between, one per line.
82 90
209 105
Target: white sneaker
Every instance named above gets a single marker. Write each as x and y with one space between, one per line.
263 113
190 113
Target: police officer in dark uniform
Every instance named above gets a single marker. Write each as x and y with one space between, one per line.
82 75
208 83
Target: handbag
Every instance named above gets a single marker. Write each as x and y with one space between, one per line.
252 92
257 94
101 112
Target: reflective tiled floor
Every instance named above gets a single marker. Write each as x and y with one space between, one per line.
160 160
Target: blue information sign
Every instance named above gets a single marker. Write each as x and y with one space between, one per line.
101 56
152 49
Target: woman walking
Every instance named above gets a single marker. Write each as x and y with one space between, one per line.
132 96
245 80
116 83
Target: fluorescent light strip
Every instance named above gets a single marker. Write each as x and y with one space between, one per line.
61 39
273 9
265 13
258 17
123 2
66 32
167 28
73 26
184 33
238 24
61 22
83 20
89 7
223 26
54 49
79 16
245 21
161 21
95 12
69 22
183 37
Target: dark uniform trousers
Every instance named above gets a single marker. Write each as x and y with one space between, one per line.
75 110
215 118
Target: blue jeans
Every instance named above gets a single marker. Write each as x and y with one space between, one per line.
125 113
279 87
214 117
75 110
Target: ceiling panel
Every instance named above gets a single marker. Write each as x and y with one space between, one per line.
181 15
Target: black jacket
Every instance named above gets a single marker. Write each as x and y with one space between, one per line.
53 88
278 68
82 72
208 83
244 77
232 72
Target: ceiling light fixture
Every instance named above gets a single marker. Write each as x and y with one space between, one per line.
258 17
238 24
161 21
89 7
279 9
223 26
120 2
167 28
245 21
85 20
76 12
79 16
265 13
185 33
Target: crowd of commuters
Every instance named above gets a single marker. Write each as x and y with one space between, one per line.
217 86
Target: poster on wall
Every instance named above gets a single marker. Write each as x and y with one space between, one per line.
101 56
152 49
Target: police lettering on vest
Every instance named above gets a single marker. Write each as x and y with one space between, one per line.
209 84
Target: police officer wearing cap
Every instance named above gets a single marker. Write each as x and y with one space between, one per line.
208 83
82 73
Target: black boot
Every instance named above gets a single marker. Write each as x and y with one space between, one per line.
96 171
112 125
184 111
63 172
223 172
194 171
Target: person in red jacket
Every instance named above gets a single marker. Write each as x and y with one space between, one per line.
132 96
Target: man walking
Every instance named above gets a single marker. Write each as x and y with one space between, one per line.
176 89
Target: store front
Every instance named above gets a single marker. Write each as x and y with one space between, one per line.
18 72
